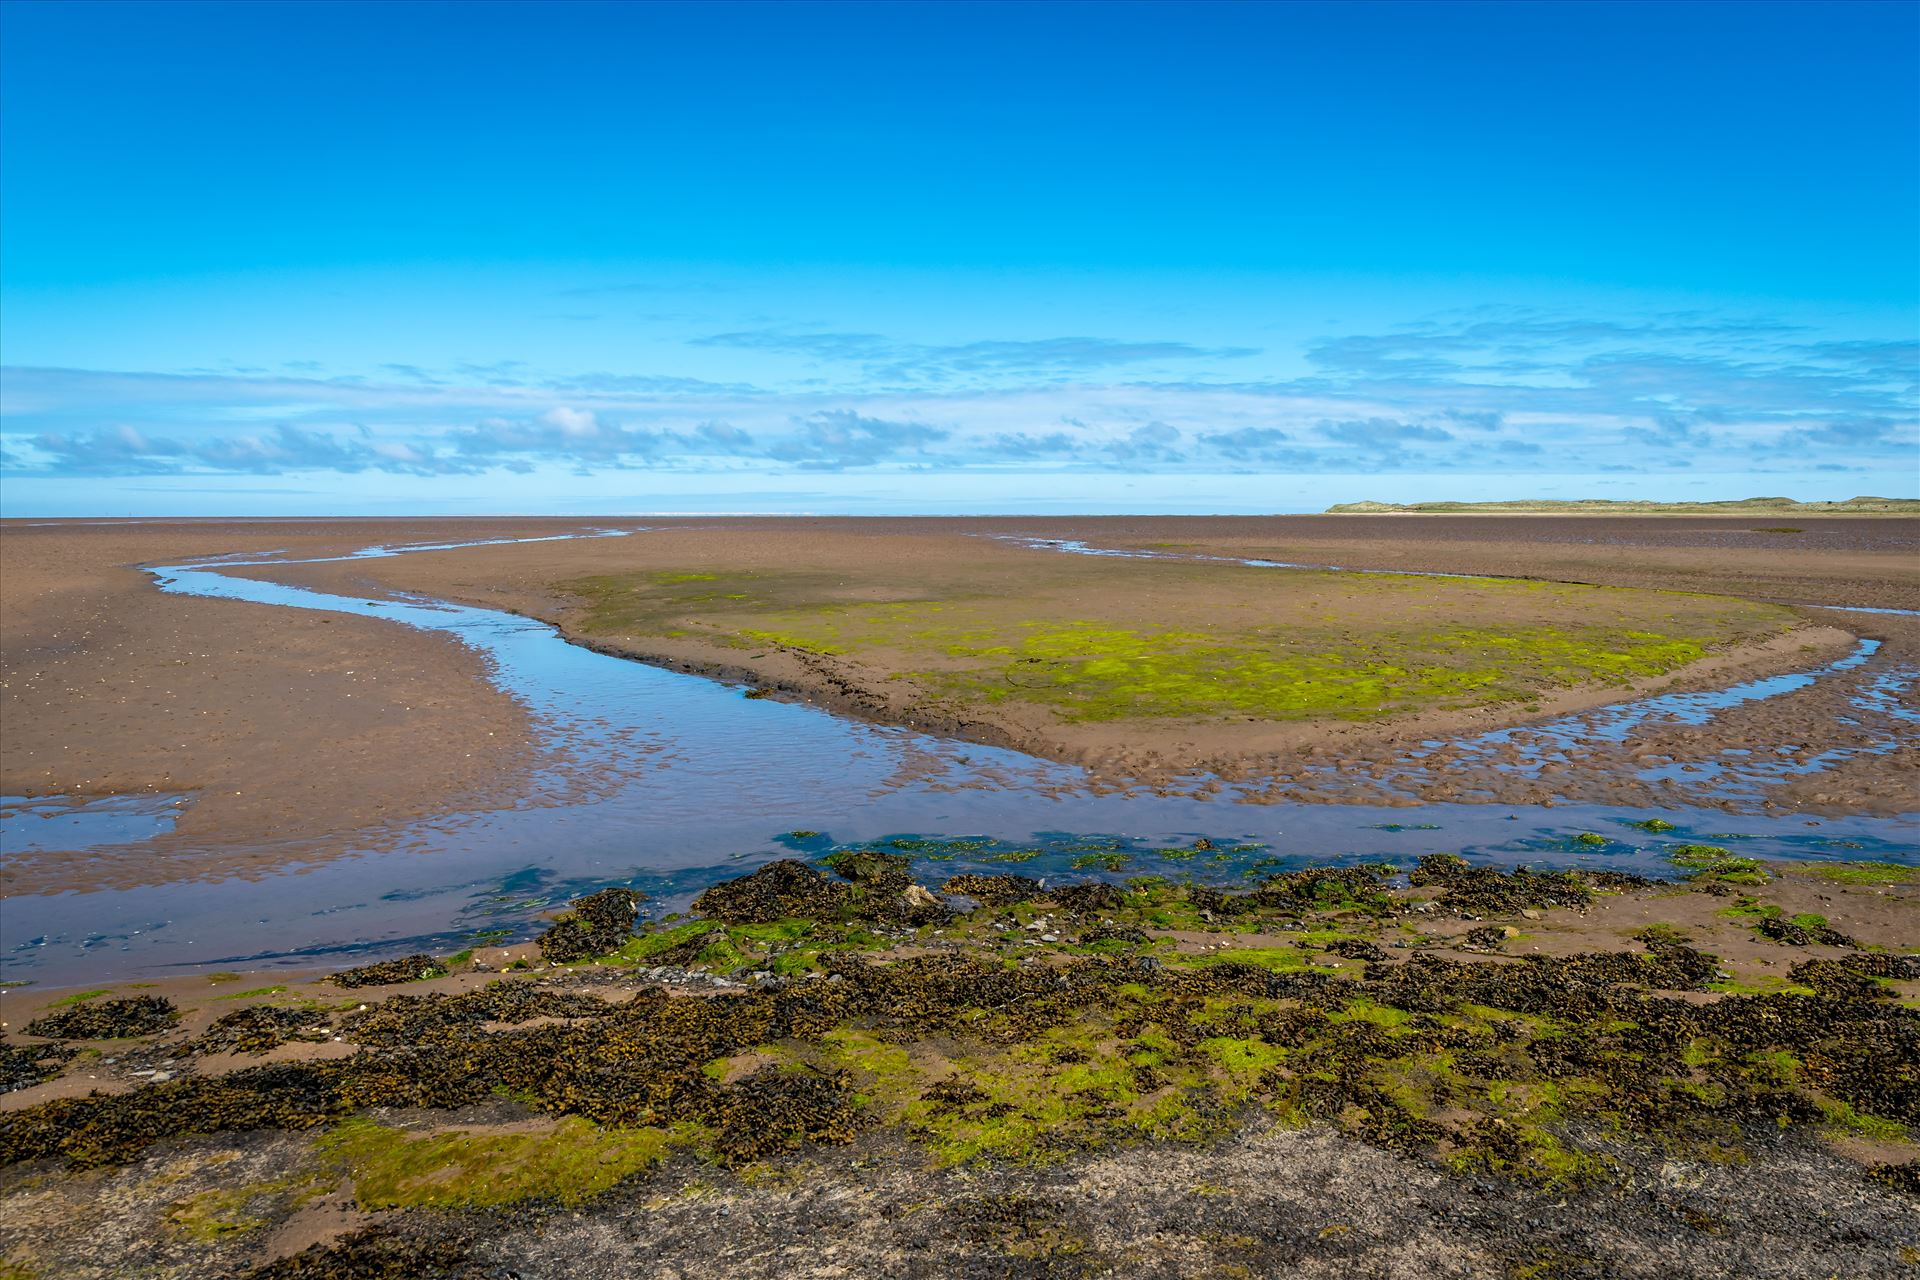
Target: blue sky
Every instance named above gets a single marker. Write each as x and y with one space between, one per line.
359 258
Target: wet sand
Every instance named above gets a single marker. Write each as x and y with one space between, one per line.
277 726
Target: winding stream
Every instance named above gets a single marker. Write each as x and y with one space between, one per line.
669 781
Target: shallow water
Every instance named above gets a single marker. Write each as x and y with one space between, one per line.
670 781
36 823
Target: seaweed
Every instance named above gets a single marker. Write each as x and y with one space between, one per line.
377 1253
1904 1178
1710 865
994 891
259 1028
778 891
596 925
108 1019
1487 891
772 1111
1853 977
1798 933
443 1019
1088 898
1325 889
1495 1066
25 1065
884 891
385 973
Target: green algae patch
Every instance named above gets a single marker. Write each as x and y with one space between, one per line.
468 1169
225 1212
974 1038
1859 872
78 997
1710 863
1089 642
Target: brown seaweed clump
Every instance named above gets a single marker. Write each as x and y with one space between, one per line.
377 1253
1853 977
1477 892
1089 898
993 891
25 1065
408 1020
1899 1177
597 924
773 1111
108 1019
1794 934
780 890
387 972
877 889
258 1028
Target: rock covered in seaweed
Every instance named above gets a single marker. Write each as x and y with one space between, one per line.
595 925
778 891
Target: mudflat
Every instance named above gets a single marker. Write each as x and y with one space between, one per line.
285 728
1313 684
294 731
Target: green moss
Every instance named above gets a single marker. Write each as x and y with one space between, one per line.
473 1169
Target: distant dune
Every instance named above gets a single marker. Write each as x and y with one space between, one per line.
1608 506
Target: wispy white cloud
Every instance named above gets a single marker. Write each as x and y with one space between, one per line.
1484 390
893 361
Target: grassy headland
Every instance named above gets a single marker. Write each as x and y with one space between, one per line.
1861 506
